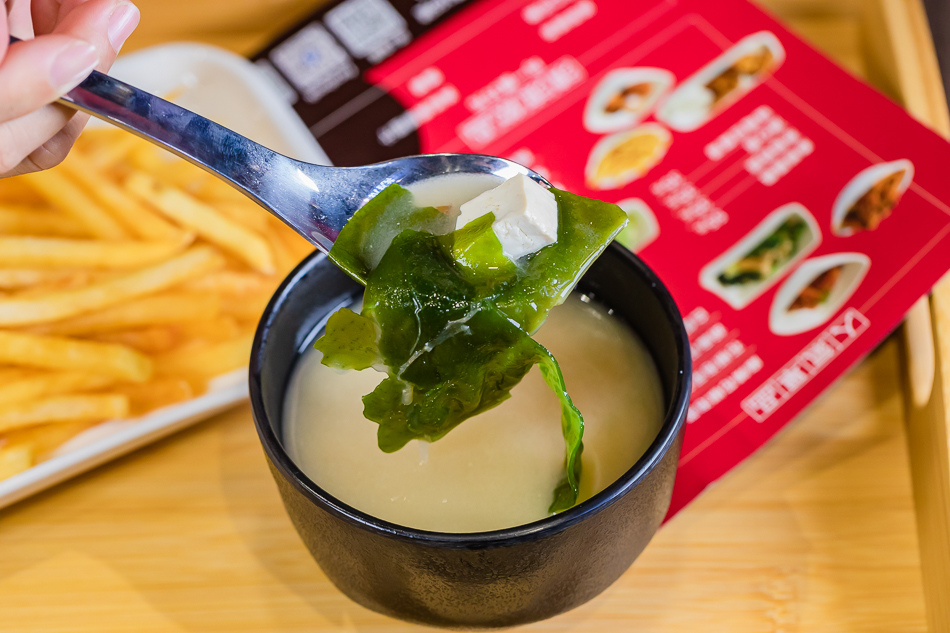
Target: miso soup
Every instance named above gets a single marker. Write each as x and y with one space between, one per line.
498 469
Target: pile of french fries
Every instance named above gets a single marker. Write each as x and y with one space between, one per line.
129 279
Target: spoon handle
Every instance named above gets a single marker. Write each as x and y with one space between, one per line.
181 131
314 200
260 173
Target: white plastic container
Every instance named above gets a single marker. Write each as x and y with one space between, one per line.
233 92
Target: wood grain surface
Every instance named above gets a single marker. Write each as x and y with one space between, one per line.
814 533
914 74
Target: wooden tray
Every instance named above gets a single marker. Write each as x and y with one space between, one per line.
904 63
816 532
898 57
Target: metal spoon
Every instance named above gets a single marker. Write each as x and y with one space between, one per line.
315 200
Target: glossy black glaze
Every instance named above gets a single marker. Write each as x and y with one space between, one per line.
488 579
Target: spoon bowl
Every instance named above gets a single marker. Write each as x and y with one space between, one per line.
314 200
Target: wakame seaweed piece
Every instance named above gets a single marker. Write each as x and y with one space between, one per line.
547 276
351 341
497 355
413 308
450 354
471 370
763 260
479 257
572 428
366 236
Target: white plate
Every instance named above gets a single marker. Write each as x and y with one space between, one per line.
690 106
232 91
739 296
786 323
861 184
599 121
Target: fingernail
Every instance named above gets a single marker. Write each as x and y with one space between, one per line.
72 65
122 22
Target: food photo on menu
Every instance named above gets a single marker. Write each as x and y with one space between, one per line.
482 330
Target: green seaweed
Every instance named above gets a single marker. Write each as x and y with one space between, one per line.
366 236
448 317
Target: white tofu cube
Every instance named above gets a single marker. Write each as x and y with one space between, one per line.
525 215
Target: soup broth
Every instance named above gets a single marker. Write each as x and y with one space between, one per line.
498 469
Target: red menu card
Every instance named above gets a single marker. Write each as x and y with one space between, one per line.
794 213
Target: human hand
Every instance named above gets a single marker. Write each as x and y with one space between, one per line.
72 38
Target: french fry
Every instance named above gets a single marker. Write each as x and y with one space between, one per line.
44 438
77 279
160 309
283 259
167 168
16 192
106 307
230 282
13 373
246 213
245 307
70 408
150 340
131 214
116 147
24 220
205 221
58 191
15 459
219 329
49 352
293 242
54 251
146 158
13 278
60 305
157 393
217 192
206 360
39 385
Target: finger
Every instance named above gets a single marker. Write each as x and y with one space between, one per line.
4 32
20 137
38 72
48 13
83 18
45 15
19 18
54 150
104 23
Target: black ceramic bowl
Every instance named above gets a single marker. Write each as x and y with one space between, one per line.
488 579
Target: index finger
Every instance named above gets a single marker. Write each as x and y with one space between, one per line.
4 31
39 71
19 18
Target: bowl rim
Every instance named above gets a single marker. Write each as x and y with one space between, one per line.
672 425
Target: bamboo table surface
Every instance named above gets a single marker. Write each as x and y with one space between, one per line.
816 532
